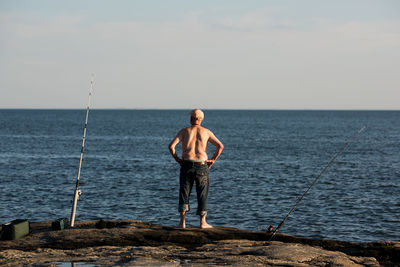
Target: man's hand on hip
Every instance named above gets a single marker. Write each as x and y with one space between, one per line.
210 162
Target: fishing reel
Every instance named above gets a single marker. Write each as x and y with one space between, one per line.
270 229
78 193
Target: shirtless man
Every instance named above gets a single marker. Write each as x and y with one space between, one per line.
195 165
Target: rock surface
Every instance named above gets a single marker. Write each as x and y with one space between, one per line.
136 243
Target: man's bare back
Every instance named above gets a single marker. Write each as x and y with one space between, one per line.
194 141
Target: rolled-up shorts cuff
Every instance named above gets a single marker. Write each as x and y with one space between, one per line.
183 207
201 212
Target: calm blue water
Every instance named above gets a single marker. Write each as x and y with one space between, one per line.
270 158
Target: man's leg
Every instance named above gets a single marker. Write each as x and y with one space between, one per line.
202 187
185 187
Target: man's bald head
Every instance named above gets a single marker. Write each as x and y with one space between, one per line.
196 116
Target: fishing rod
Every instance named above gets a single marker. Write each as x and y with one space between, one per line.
78 192
351 139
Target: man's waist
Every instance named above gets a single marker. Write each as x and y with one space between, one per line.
195 162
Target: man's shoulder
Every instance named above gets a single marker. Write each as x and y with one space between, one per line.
206 131
199 128
193 127
184 131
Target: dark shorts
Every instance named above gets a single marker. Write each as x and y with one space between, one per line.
194 172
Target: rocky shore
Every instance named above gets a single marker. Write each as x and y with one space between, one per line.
137 243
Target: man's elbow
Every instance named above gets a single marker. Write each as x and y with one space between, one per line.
221 147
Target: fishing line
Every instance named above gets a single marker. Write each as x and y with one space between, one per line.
78 192
351 139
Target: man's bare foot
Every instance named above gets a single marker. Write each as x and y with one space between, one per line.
205 225
181 225
203 222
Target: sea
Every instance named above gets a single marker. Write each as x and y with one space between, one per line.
271 158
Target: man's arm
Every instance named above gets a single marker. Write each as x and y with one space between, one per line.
219 147
172 146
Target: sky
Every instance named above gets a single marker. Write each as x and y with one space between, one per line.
219 54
